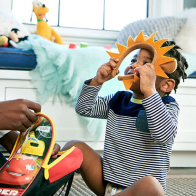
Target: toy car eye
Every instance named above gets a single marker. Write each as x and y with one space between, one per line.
8 165
30 167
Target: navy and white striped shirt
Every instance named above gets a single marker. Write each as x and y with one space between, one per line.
139 137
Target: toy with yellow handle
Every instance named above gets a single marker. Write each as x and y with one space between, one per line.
32 144
43 29
30 171
163 64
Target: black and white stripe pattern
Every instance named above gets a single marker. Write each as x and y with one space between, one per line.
162 121
130 154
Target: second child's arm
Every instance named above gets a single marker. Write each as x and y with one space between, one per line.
8 140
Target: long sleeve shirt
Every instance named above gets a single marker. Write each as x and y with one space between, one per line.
138 138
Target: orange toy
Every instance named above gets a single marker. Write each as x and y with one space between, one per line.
163 64
43 29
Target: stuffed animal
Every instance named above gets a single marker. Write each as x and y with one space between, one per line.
4 42
14 37
43 29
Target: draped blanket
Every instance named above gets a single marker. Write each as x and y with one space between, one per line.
61 72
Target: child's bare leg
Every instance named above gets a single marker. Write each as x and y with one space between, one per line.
146 186
91 168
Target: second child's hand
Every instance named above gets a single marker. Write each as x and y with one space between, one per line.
55 151
104 73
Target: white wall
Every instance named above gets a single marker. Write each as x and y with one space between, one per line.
74 35
157 8
6 4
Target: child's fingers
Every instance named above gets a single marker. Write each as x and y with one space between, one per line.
150 65
114 59
137 73
106 70
113 62
56 149
54 156
145 68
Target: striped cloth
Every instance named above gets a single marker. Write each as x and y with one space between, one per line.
131 151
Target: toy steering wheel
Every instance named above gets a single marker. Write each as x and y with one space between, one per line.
128 51
163 64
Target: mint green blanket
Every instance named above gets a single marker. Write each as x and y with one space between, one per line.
61 72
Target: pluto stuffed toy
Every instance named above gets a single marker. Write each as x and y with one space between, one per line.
43 29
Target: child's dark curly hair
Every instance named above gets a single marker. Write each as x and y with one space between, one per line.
181 63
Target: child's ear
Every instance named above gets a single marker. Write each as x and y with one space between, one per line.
167 85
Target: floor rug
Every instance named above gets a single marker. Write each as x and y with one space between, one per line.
176 186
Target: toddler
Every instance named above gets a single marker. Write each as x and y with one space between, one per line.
140 131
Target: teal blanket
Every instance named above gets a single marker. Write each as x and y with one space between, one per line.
61 72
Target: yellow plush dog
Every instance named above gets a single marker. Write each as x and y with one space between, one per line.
43 29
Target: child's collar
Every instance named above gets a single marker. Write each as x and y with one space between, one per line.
138 101
39 20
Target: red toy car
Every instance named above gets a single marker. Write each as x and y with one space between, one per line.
19 171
